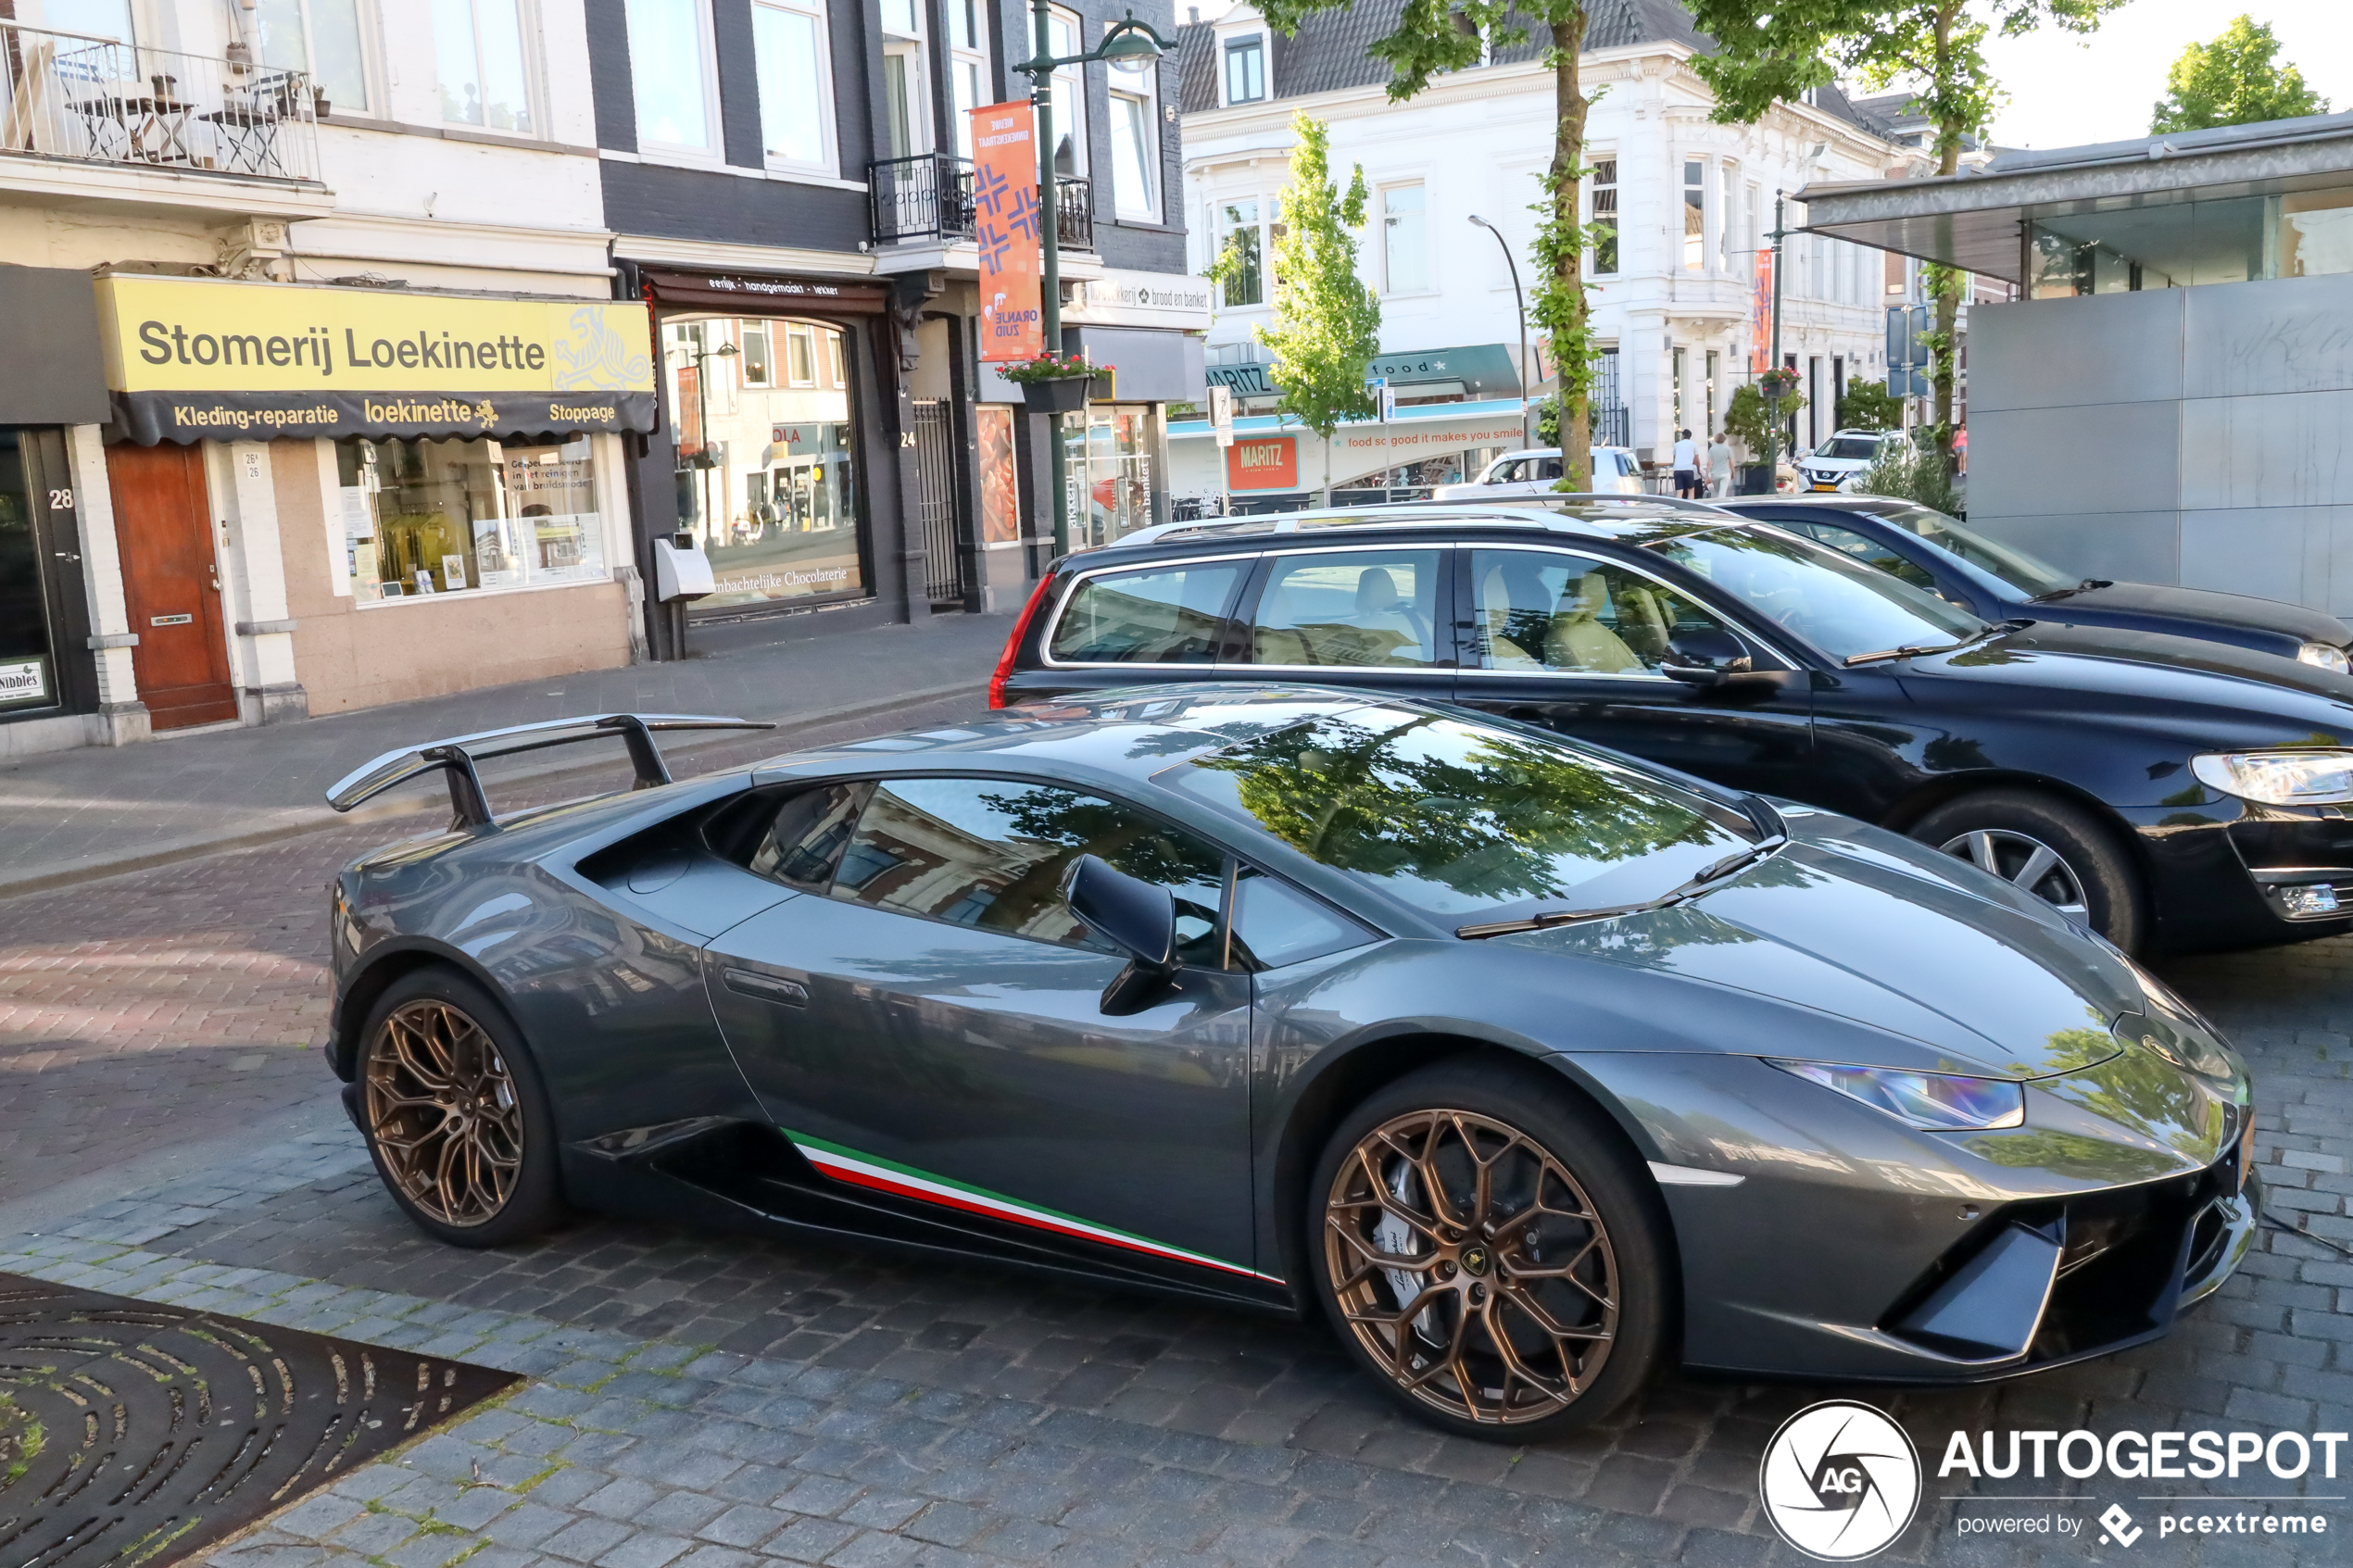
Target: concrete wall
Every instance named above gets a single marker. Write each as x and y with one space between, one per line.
2183 435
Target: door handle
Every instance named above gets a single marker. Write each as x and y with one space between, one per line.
216 580
767 987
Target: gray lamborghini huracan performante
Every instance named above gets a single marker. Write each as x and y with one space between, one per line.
1527 1066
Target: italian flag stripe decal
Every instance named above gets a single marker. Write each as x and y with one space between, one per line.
904 1180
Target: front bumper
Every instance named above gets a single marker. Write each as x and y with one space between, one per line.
2222 874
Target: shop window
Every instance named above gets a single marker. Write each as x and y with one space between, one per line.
1604 217
674 75
320 37
796 94
1403 239
1107 469
425 518
482 60
26 679
1246 69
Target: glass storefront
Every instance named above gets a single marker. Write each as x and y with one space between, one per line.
27 677
458 515
2183 244
763 416
1108 472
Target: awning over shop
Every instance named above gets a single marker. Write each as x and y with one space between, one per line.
1477 373
1146 365
213 360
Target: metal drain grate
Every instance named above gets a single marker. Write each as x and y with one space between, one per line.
138 1433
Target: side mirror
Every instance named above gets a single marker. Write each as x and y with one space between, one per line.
1132 915
1705 656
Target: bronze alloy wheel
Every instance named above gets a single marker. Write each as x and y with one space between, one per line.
444 1113
1471 1267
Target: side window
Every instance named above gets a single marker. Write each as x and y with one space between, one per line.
991 853
1351 608
1509 473
1276 924
1169 616
1542 610
1865 549
1548 467
804 842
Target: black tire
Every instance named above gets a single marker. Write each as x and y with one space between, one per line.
1443 1363
455 1113
2007 825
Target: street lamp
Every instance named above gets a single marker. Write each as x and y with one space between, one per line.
701 460
1527 384
1128 45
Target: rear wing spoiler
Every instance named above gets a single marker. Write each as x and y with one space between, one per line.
455 758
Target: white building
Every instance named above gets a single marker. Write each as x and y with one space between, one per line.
1691 203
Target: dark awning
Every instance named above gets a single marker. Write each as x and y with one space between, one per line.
57 366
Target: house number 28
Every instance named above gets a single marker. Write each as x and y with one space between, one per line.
61 500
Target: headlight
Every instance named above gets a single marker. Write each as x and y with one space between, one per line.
1940 1101
2325 657
2279 778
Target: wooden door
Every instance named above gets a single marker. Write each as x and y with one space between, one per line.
172 584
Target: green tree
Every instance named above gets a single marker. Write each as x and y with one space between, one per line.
2232 81
1326 322
1435 36
1868 405
1751 421
1771 51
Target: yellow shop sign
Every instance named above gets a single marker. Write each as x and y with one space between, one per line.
200 358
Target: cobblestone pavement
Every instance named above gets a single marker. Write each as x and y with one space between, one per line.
711 1402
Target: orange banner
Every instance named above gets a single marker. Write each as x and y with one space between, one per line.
1005 224
1760 315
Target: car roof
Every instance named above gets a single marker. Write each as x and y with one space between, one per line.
1634 519
1862 504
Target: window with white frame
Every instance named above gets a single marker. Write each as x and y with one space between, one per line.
795 95
801 355
1603 219
322 38
1404 238
1063 38
1237 229
674 77
1727 186
1246 69
482 58
906 119
759 355
1695 215
967 66
1135 142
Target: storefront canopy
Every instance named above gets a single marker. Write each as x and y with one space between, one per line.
1476 372
212 360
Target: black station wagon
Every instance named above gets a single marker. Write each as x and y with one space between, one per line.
2168 792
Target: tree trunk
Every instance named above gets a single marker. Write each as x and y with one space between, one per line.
1572 360
1947 285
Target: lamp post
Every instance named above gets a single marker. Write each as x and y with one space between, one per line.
1526 385
1128 45
702 462
1773 393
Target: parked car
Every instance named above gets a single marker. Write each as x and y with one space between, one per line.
1834 464
2000 582
1535 472
2170 793
1256 996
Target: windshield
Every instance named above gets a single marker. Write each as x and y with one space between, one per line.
1453 818
1834 601
2010 564
1863 447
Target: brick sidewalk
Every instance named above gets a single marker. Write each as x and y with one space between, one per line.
75 814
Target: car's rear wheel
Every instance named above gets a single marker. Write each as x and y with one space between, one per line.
2057 852
455 1114
1488 1250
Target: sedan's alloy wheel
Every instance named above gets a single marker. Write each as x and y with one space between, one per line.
2029 863
443 1111
1471 1267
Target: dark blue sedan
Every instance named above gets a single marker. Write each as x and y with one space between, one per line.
1999 582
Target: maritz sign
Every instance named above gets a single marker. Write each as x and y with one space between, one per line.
1267 463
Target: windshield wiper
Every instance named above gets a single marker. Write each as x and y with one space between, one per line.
2084 587
1909 650
1714 871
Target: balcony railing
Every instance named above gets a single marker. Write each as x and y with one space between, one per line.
69 95
930 197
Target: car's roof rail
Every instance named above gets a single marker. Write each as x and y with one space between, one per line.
1529 510
456 757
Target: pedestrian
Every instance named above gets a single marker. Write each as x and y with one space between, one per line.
1687 467
1719 465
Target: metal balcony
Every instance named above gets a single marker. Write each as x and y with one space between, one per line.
66 95
930 197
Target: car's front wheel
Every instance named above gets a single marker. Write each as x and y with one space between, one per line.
1491 1251
2056 851
455 1114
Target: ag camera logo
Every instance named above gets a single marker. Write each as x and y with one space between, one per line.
1839 1481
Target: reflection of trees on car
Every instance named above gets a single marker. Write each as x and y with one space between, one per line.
1491 816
